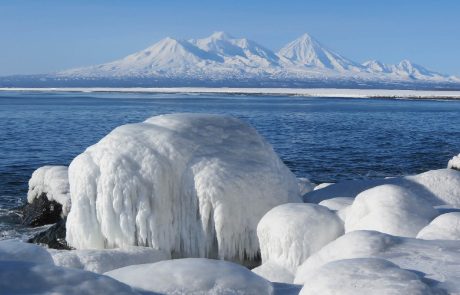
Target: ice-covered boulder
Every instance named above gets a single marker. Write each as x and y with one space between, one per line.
197 276
363 276
443 227
53 182
389 209
193 185
100 261
19 277
274 272
20 251
438 260
340 205
454 163
290 233
438 187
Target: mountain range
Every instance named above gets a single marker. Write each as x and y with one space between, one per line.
225 60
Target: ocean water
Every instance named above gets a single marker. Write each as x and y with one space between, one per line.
324 139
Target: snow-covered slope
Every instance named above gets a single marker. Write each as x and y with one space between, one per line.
221 57
306 51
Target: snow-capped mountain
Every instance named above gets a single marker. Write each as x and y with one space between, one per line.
307 52
225 58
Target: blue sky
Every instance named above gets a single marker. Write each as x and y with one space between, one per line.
49 35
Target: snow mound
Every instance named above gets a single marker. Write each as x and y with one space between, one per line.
443 227
193 185
389 209
100 261
428 257
337 204
364 276
305 185
18 277
274 273
52 181
438 187
454 163
290 233
193 276
20 251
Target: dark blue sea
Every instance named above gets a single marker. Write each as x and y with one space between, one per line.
324 139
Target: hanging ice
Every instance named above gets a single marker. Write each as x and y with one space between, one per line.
194 185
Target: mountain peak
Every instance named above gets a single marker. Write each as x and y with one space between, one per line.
220 35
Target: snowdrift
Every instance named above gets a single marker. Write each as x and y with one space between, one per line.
363 276
443 227
100 261
428 257
389 209
438 187
19 277
196 276
192 185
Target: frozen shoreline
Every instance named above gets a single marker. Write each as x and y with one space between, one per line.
304 92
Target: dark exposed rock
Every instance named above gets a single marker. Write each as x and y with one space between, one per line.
41 212
53 237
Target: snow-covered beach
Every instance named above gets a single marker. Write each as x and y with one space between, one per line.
201 204
304 92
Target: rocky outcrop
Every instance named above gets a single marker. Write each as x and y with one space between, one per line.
41 211
53 237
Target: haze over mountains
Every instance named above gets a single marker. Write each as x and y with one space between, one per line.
224 60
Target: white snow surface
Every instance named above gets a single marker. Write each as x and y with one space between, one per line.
100 261
305 92
19 277
363 276
52 181
438 187
193 185
389 209
16 250
438 260
221 56
454 163
290 233
193 276
305 185
443 227
274 272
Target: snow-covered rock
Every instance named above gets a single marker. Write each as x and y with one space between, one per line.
52 181
193 276
274 272
337 204
305 185
428 257
439 187
193 185
290 233
454 163
100 261
363 276
443 227
389 209
20 251
18 277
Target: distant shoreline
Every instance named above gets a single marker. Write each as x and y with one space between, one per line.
303 92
